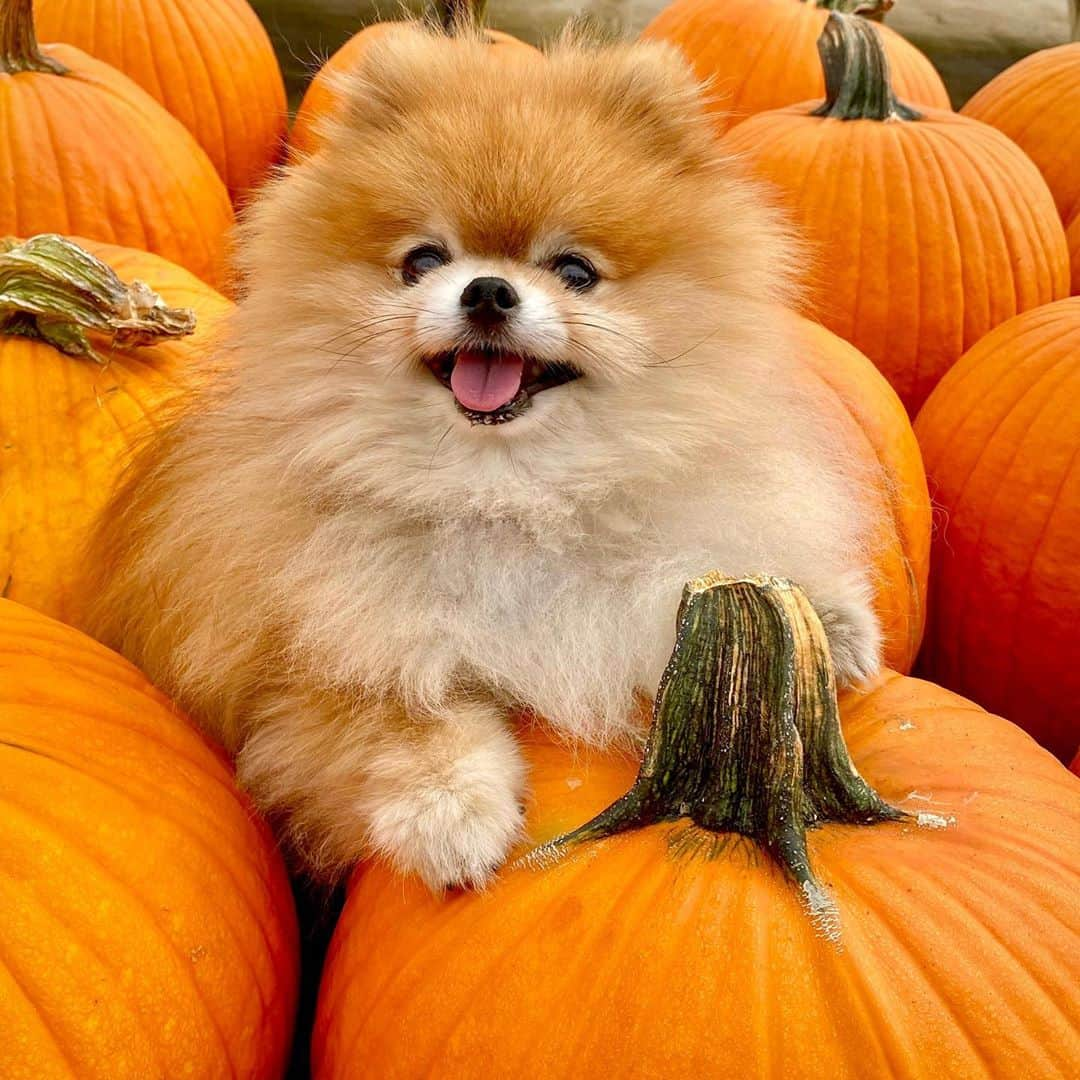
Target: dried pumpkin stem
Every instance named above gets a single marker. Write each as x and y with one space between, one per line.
50 288
868 9
19 50
746 732
456 14
857 85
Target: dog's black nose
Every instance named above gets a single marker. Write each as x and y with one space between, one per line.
489 300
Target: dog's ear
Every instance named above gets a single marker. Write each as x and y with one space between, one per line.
650 87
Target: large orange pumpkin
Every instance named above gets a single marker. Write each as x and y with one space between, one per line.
760 54
927 229
86 152
209 62
68 422
146 923
1001 438
673 950
321 99
1037 104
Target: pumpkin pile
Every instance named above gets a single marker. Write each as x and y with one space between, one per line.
790 882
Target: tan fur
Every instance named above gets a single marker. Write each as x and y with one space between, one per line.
350 585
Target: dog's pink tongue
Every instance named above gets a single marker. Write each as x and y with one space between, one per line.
484 381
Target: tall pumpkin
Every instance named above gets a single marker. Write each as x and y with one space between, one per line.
693 929
209 62
321 99
927 229
146 923
1001 439
71 410
1036 102
760 54
88 153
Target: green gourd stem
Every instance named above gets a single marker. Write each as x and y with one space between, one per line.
746 734
19 50
868 9
455 14
53 290
857 84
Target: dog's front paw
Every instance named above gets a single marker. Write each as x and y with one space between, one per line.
853 630
454 828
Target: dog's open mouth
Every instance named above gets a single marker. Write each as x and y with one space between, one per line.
491 386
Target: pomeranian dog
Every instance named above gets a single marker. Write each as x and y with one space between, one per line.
509 369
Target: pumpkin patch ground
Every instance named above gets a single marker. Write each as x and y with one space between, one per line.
779 877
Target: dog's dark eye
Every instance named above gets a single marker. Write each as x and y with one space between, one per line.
421 260
575 271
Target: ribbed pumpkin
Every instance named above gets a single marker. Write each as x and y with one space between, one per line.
209 62
760 54
661 948
1037 104
320 100
927 229
87 153
1001 439
146 923
67 422
875 426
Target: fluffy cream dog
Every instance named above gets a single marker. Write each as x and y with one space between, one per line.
507 373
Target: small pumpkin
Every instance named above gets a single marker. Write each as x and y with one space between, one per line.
760 54
927 229
146 922
321 97
71 410
90 154
1000 436
692 928
209 62
1036 102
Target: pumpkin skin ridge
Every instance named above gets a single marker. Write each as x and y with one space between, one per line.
244 951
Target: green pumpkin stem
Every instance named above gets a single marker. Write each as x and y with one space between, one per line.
19 50
53 290
455 15
857 85
746 734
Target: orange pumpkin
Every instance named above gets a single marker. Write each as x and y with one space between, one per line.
146 923
876 427
1000 437
760 54
664 948
88 153
67 423
209 62
321 99
1036 103
927 229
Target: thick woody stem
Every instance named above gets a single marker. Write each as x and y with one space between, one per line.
52 289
